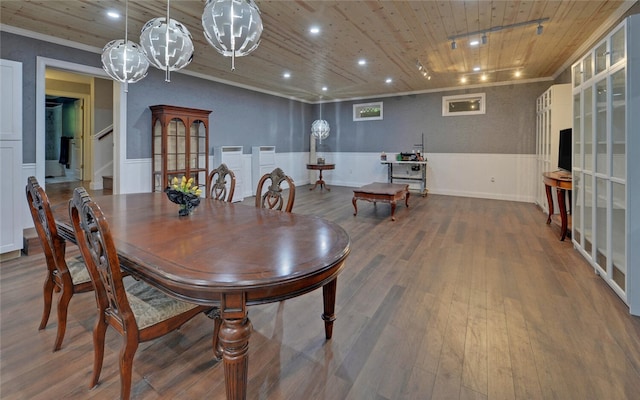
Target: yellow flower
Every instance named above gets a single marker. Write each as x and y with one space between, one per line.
185 185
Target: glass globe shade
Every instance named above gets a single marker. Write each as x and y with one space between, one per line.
124 62
232 27
320 129
169 48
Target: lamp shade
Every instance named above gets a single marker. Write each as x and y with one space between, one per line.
232 27
320 129
168 47
124 61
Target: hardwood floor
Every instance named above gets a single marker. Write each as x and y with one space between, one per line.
459 298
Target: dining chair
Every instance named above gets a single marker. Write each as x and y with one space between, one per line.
274 197
217 183
66 275
135 309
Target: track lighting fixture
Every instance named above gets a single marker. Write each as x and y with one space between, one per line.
423 70
484 32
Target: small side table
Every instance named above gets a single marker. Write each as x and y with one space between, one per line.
320 167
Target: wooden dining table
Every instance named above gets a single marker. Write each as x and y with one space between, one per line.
227 255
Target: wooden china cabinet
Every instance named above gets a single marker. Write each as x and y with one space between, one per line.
180 145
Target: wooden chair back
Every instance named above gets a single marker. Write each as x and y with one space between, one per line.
154 313
217 183
275 197
67 279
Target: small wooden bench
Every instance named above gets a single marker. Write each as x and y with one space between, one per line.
382 192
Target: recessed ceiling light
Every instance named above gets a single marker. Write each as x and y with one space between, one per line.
314 29
113 14
388 80
476 69
286 75
517 74
474 42
362 61
324 88
483 77
463 80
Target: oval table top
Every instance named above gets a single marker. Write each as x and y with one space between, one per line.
221 248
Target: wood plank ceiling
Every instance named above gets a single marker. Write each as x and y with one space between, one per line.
392 36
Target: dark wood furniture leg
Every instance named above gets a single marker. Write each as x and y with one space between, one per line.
563 212
547 189
234 341
320 182
393 210
329 299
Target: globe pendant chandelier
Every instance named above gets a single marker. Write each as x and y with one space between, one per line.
232 27
320 129
168 46
123 60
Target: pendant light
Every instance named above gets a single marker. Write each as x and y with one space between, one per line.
167 45
123 60
232 27
320 129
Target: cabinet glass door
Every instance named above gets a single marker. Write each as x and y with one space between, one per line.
577 75
601 57
600 243
158 185
577 208
601 123
587 68
587 129
577 132
618 46
618 235
618 124
587 221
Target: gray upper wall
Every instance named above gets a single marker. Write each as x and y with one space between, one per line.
244 117
239 117
507 127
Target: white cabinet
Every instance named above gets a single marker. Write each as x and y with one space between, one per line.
232 157
553 113
263 161
12 199
606 159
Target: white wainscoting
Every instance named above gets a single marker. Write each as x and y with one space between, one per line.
136 176
492 176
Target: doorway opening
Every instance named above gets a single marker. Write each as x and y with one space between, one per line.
64 134
78 128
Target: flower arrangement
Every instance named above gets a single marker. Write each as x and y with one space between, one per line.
184 193
185 185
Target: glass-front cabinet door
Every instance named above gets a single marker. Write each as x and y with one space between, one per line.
601 125
180 145
587 129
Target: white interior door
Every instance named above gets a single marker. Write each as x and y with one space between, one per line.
77 158
12 201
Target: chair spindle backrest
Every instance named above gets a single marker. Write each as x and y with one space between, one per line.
217 182
99 252
273 197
